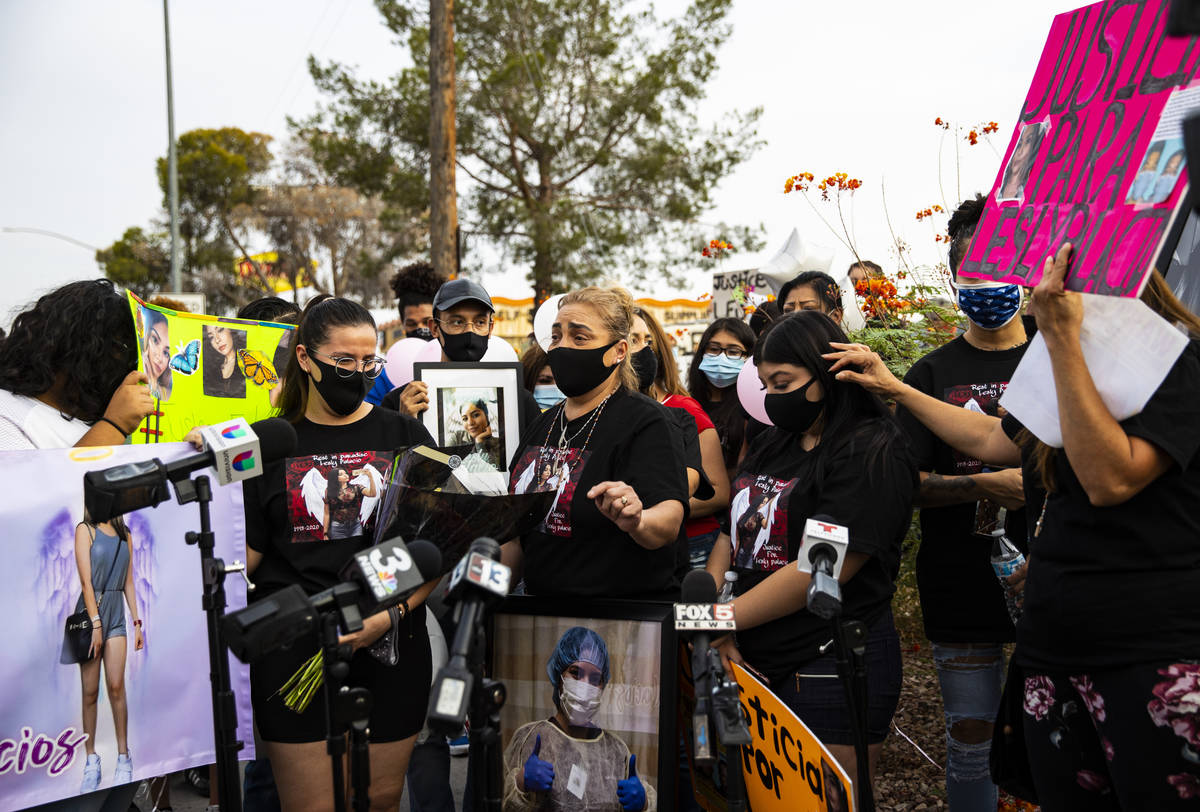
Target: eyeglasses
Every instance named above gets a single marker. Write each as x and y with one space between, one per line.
347 366
457 324
732 352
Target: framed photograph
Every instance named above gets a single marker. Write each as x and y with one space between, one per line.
591 689
475 404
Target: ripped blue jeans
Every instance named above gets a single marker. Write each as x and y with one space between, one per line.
971 676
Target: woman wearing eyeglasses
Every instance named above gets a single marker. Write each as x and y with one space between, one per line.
331 366
719 357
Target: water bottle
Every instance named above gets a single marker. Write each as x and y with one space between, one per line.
727 589
1006 559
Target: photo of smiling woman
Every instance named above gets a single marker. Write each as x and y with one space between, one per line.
343 503
478 413
568 761
156 352
103 561
222 378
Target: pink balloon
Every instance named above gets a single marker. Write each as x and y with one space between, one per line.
432 351
751 393
400 360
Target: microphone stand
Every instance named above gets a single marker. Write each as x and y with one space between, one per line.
487 698
850 648
224 709
732 731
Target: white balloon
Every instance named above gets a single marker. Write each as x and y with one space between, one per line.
499 350
543 319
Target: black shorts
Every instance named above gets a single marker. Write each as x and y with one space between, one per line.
400 693
817 695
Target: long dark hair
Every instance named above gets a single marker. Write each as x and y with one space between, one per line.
333 485
727 414
83 331
322 314
666 377
1161 299
213 382
801 338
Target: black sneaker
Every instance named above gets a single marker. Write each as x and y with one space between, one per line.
197 779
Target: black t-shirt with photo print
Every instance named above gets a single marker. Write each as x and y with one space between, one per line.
777 487
578 552
961 599
1115 586
283 505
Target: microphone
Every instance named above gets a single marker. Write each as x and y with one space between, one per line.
822 554
698 613
234 449
375 580
478 581
390 572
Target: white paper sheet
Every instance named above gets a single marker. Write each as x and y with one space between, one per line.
1129 350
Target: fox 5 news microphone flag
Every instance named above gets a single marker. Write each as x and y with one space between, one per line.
169 710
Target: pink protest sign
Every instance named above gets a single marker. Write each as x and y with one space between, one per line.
1097 157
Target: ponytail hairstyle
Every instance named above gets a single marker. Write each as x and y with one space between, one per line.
322 314
615 308
1162 300
667 377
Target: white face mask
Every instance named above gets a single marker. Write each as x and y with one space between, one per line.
580 701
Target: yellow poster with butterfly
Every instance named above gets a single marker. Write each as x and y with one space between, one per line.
206 369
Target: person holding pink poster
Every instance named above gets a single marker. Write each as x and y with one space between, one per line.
1104 692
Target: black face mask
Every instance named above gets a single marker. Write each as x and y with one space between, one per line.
645 364
422 333
577 372
465 348
342 395
793 411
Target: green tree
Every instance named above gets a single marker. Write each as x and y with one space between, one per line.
577 126
219 171
138 261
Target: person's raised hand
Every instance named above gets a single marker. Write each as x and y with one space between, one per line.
538 775
130 403
414 399
619 502
857 363
630 791
1059 312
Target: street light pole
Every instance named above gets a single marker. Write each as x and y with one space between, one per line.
172 167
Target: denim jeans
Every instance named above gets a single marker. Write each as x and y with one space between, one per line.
971 675
429 777
259 793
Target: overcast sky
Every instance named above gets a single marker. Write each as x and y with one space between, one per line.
850 87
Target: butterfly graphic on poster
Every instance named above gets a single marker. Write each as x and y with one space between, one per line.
187 360
257 368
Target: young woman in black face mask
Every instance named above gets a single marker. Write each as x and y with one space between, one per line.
836 452
619 474
332 363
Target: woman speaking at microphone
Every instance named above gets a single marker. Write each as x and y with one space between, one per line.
331 366
612 459
834 450
1109 637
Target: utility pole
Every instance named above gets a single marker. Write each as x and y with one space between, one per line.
443 199
172 165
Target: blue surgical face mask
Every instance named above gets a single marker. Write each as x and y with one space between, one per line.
546 395
990 307
721 370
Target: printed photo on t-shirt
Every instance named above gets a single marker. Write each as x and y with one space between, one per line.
983 398
335 496
758 522
551 469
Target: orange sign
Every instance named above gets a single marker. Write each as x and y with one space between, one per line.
786 767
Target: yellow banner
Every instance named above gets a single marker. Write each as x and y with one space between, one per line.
786 767
205 369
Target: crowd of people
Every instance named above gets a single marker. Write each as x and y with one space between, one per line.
659 470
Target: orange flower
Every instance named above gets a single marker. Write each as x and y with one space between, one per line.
991 127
